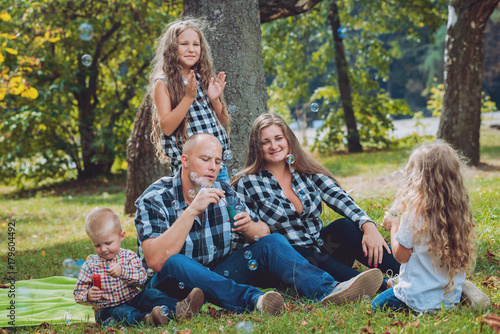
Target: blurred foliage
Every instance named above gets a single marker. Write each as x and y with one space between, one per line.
298 56
435 103
57 113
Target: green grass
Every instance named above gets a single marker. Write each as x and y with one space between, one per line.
49 228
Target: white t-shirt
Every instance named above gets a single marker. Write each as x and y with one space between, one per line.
421 285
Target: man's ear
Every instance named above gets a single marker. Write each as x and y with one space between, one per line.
184 159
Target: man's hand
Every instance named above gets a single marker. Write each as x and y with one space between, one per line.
114 270
94 294
242 222
204 198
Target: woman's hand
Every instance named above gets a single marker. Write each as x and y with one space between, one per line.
216 87
373 244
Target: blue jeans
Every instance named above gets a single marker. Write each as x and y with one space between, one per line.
227 283
223 174
132 312
342 241
388 299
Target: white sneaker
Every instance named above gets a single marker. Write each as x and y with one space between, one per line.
366 283
473 296
271 303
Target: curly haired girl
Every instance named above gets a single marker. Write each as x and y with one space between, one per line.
433 238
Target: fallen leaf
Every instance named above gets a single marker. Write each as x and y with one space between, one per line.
491 320
367 329
303 323
184 331
398 323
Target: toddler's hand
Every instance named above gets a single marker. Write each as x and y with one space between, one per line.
94 294
114 270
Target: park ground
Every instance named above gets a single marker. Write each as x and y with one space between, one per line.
49 229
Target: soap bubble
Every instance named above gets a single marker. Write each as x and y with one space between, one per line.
228 155
256 238
181 285
68 316
226 273
69 263
244 327
86 60
252 264
212 249
319 242
193 176
290 159
86 31
234 171
314 107
192 193
150 272
239 208
164 310
301 193
248 255
342 32
175 205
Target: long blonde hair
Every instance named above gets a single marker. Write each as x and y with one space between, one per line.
433 189
166 63
304 162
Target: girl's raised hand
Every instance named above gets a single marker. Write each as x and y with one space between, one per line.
216 87
192 85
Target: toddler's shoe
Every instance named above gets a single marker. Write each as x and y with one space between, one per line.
271 303
473 296
191 305
366 283
148 319
159 316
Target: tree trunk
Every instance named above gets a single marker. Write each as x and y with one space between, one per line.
143 167
235 40
461 115
353 142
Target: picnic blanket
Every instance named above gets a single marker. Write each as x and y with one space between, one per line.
47 299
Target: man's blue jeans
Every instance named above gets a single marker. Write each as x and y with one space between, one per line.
133 311
388 299
227 283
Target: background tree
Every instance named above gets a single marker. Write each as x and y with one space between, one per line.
461 116
84 111
369 53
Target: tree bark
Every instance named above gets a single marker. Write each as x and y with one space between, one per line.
235 40
143 167
353 142
461 115
277 9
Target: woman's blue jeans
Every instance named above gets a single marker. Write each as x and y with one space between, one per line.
388 299
132 312
228 282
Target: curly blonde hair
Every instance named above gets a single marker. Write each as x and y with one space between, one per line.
304 162
166 63
433 189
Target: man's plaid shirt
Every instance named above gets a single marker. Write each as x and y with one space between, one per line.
208 240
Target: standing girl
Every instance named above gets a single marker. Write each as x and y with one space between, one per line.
187 96
433 239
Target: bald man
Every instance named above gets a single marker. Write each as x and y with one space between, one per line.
184 234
